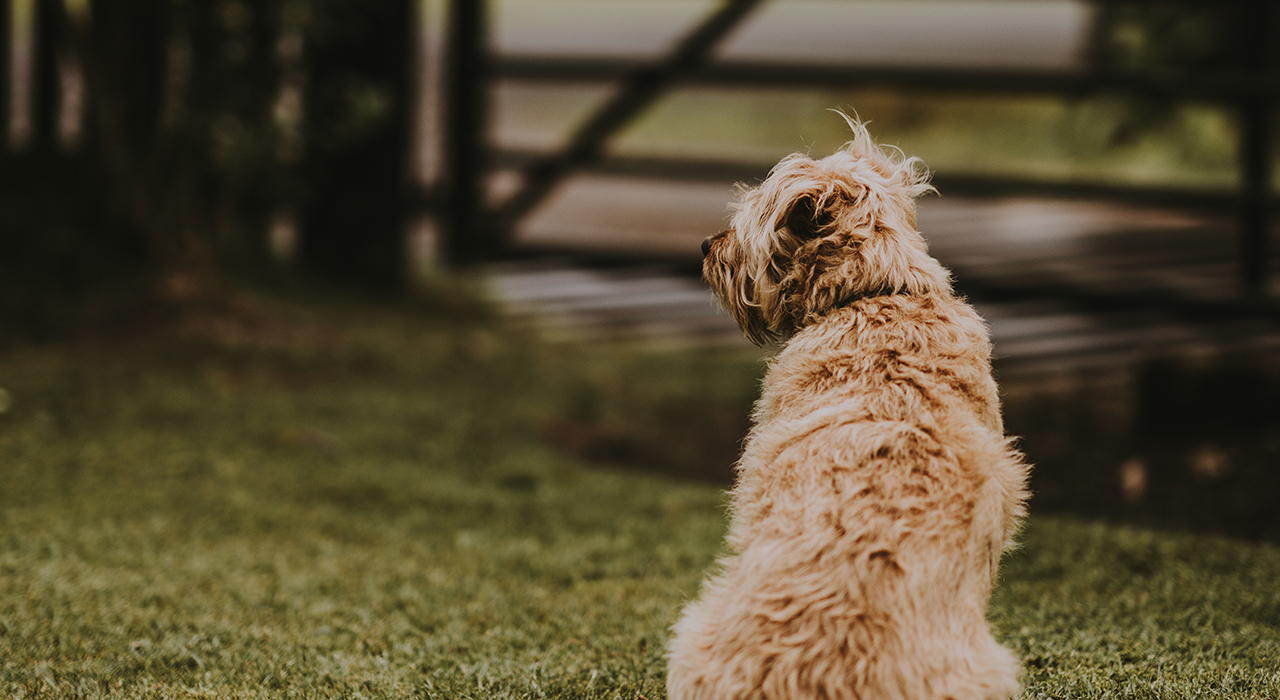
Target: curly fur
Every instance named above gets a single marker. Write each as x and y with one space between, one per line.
877 490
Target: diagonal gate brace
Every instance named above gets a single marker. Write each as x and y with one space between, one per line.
639 90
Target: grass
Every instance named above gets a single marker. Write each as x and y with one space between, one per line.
358 501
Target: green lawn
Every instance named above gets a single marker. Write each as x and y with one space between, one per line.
357 501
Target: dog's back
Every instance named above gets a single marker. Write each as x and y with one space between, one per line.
874 498
877 490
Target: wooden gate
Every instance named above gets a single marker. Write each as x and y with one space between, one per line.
1248 87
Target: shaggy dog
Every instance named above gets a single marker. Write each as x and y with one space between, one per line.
876 491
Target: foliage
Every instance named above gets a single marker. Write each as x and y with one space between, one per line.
1173 40
204 121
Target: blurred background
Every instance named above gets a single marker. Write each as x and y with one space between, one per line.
1105 171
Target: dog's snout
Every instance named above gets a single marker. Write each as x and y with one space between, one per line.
706 242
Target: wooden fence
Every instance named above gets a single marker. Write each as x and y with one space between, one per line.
1249 88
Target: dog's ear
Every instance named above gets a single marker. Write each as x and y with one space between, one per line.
809 217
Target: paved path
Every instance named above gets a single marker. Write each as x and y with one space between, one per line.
1110 247
1003 243
656 304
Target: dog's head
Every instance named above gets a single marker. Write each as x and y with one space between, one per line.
816 235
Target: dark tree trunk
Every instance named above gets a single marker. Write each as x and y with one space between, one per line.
45 93
59 234
156 176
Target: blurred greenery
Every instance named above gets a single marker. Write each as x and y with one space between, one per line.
208 122
203 122
1038 138
337 499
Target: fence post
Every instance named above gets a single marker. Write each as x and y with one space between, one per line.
1254 224
353 218
467 237
6 76
1256 116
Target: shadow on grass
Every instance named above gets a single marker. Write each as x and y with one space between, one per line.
1190 445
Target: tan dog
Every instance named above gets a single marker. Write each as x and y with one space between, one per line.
877 490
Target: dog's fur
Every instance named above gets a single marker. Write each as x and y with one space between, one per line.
877 490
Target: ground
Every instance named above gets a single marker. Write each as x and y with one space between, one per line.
353 500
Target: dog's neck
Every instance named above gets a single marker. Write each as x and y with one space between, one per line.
869 294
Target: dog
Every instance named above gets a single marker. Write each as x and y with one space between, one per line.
876 490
